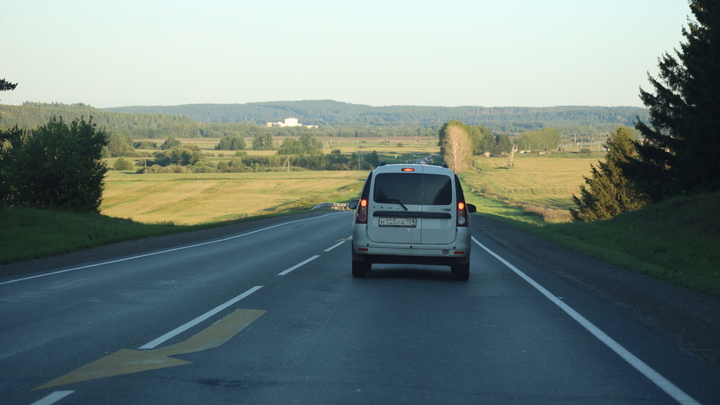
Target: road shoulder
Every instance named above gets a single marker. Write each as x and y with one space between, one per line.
686 318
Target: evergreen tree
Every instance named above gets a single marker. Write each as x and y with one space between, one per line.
5 85
681 150
609 192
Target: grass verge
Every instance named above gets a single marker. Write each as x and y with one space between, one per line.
28 233
675 240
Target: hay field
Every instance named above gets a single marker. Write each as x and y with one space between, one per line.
195 198
542 185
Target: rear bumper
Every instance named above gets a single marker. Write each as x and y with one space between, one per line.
369 252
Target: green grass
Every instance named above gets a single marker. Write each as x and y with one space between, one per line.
32 233
29 233
676 240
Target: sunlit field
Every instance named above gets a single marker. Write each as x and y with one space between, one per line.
195 198
541 184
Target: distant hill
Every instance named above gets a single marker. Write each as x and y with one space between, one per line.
31 115
334 118
329 112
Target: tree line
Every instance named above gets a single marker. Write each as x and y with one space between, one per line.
459 142
333 119
584 121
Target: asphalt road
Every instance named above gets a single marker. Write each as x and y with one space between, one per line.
271 315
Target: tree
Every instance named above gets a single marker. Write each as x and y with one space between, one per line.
170 143
291 147
545 139
680 153
6 86
59 167
455 145
310 143
123 164
231 143
263 142
503 144
119 145
487 141
10 142
609 192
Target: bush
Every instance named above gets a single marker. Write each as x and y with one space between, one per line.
60 167
123 164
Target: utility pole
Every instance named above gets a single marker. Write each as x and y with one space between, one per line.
510 162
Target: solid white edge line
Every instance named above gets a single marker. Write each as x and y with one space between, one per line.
52 398
664 384
183 328
333 247
298 265
161 252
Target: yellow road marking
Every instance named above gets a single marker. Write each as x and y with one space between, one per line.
127 361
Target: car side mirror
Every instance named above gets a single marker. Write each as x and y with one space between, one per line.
353 204
471 208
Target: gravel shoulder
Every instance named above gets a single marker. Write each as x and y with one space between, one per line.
688 319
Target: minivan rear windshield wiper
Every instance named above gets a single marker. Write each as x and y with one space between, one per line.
397 201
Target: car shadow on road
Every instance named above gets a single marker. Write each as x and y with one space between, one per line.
436 273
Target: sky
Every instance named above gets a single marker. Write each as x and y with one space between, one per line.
491 53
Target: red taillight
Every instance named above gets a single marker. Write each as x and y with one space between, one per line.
361 217
408 169
462 219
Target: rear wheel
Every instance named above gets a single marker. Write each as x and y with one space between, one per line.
359 269
461 271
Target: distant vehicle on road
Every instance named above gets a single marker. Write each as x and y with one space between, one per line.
412 214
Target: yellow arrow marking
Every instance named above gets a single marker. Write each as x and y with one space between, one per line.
127 361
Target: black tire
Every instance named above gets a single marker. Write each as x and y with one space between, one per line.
461 271
359 269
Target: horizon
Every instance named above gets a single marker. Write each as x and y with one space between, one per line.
336 101
379 53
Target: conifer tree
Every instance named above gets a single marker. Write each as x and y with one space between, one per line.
681 150
608 192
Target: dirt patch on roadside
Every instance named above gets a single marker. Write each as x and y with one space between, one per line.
688 319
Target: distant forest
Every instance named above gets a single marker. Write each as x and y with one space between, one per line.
333 119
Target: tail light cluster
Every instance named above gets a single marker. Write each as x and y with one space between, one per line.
462 214
361 216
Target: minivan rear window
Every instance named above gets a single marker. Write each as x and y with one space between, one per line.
413 188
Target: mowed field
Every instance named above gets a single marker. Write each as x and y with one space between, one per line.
195 198
539 184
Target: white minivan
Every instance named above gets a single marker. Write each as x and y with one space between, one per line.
412 214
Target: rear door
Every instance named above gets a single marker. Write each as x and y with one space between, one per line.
438 226
395 207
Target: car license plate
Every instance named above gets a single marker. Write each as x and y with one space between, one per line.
399 222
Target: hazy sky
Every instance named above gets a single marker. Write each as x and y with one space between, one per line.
393 52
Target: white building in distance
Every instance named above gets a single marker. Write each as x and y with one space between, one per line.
289 122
